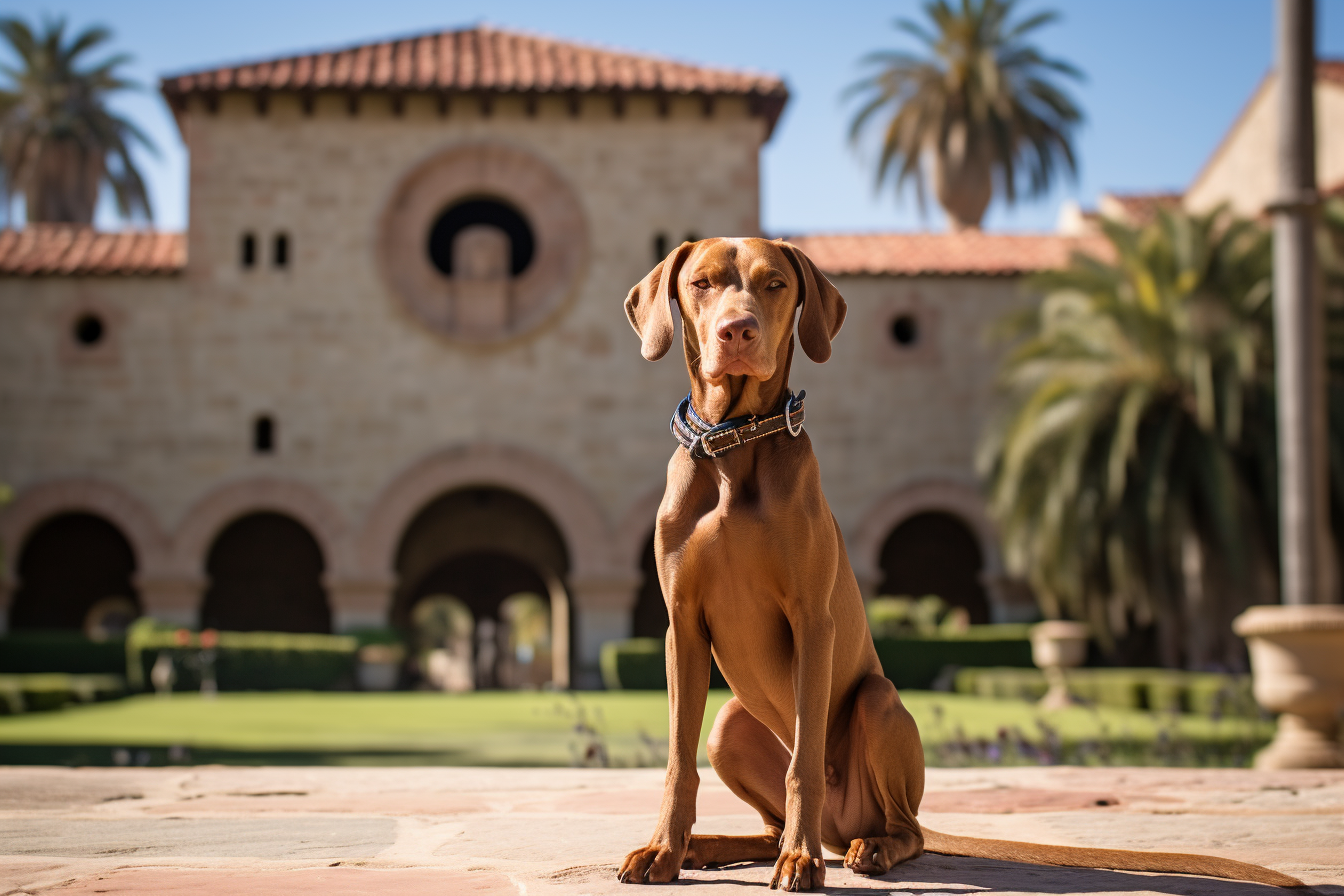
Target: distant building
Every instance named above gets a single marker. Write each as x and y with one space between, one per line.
1241 171
389 359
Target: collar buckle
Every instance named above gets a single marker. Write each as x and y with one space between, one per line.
720 436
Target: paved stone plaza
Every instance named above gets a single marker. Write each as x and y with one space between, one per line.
561 831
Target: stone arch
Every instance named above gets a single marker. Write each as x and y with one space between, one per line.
552 488
209 516
958 499
40 502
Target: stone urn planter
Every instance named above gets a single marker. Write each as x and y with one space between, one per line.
1055 646
1297 658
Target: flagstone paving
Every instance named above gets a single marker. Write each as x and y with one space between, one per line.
561 832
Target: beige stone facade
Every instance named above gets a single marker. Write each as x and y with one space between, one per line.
1241 171
373 414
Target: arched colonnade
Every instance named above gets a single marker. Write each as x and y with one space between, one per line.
601 580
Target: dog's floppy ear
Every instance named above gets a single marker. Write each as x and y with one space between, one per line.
649 303
823 306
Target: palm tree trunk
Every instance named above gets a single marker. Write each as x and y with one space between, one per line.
963 180
66 181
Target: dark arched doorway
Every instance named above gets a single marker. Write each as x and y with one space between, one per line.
69 563
935 553
482 546
650 620
265 572
481 580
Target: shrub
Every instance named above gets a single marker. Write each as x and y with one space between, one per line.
243 661
58 650
635 664
1001 683
640 664
915 661
897 617
52 690
1157 690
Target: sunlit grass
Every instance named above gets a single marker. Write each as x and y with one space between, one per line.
539 728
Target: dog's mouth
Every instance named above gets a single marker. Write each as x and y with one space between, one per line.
722 365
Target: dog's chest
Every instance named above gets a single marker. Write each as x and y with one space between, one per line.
730 564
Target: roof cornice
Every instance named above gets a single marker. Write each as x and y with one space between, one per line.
480 61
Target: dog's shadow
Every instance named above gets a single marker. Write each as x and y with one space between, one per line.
930 875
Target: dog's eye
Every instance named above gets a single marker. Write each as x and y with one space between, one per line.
776 284
702 283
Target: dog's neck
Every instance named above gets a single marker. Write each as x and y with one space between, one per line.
737 396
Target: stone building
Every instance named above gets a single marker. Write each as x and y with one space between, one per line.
389 360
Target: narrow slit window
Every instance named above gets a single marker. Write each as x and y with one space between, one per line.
280 257
263 435
248 256
659 247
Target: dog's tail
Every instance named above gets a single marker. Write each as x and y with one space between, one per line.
1115 859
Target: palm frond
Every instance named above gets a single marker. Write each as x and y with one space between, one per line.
1134 418
981 104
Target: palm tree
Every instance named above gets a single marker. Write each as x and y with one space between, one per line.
982 105
1132 470
58 142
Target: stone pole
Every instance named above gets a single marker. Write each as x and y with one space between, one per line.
1299 321
1296 647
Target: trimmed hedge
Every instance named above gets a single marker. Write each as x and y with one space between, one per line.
639 664
52 690
244 661
917 661
57 650
910 662
1157 690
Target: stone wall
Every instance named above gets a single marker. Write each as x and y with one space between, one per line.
376 415
1242 171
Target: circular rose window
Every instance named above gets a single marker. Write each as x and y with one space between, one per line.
483 243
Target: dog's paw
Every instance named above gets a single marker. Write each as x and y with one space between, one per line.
650 865
869 855
796 870
877 855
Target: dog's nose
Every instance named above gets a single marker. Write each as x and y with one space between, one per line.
738 329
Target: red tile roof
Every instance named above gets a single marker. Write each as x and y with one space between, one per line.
1330 70
66 249
481 59
971 252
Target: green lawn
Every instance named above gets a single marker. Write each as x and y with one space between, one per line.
539 728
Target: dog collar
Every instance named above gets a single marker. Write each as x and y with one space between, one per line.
703 440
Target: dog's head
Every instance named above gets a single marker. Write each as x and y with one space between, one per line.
738 299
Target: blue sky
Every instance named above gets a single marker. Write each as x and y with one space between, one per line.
1165 79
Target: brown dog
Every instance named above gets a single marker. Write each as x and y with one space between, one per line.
754 572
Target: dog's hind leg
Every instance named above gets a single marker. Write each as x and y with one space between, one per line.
886 745
752 762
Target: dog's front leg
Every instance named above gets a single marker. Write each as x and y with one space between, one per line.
800 865
687 687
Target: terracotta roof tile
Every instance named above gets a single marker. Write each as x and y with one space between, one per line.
971 253
64 249
481 58
1330 70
